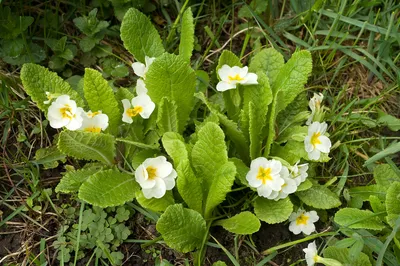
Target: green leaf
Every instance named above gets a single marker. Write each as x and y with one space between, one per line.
292 78
390 121
221 185
296 133
343 255
189 186
72 180
108 188
393 203
100 97
271 211
219 263
294 114
209 153
267 60
305 185
358 219
167 117
228 58
319 197
175 146
182 229
170 76
187 35
157 205
244 223
385 176
88 145
139 35
49 157
291 152
11 25
37 80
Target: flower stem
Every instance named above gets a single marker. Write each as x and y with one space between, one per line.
292 243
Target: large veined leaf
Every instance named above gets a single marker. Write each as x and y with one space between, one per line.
209 153
167 120
189 186
170 76
187 35
343 255
175 146
358 219
385 176
221 185
393 203
38 80
271 211
228 58
244 223
267 60
139 35
157 205
182 229
319 197
72 180
88 145
256 99
230 127
108 188
291 152
100 97
292 78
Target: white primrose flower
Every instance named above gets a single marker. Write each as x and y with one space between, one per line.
316 142
302 221
155 176
63 112
140 105
287 188
265 175
94 122
141 69
230 76
299 172
311 254
315 106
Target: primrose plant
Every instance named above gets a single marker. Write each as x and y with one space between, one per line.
178 147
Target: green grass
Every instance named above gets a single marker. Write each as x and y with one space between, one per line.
355 47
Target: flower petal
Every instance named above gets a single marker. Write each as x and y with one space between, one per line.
139 68
314 155
250 79
224 72
140 87
224 86
325 144
158 191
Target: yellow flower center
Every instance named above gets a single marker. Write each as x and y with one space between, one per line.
93 129
66 112
91 115
235 78
151 172
316 258
134 111
315 139
302 219
264 174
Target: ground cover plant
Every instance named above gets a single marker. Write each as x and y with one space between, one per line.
254 151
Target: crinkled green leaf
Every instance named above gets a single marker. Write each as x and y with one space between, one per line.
38 80
393 203
167 117
209 153
319 197
231 129
187 35
385 176
291 152
296 113
108 188
157 205
72 180
175 146
88 145
139 35
170 76
343 255
291 78
358 219
267 60
182 229
241 171
228 58
219 263
221 185
296 133
271 211
244 223
189 186
100 97
305 185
